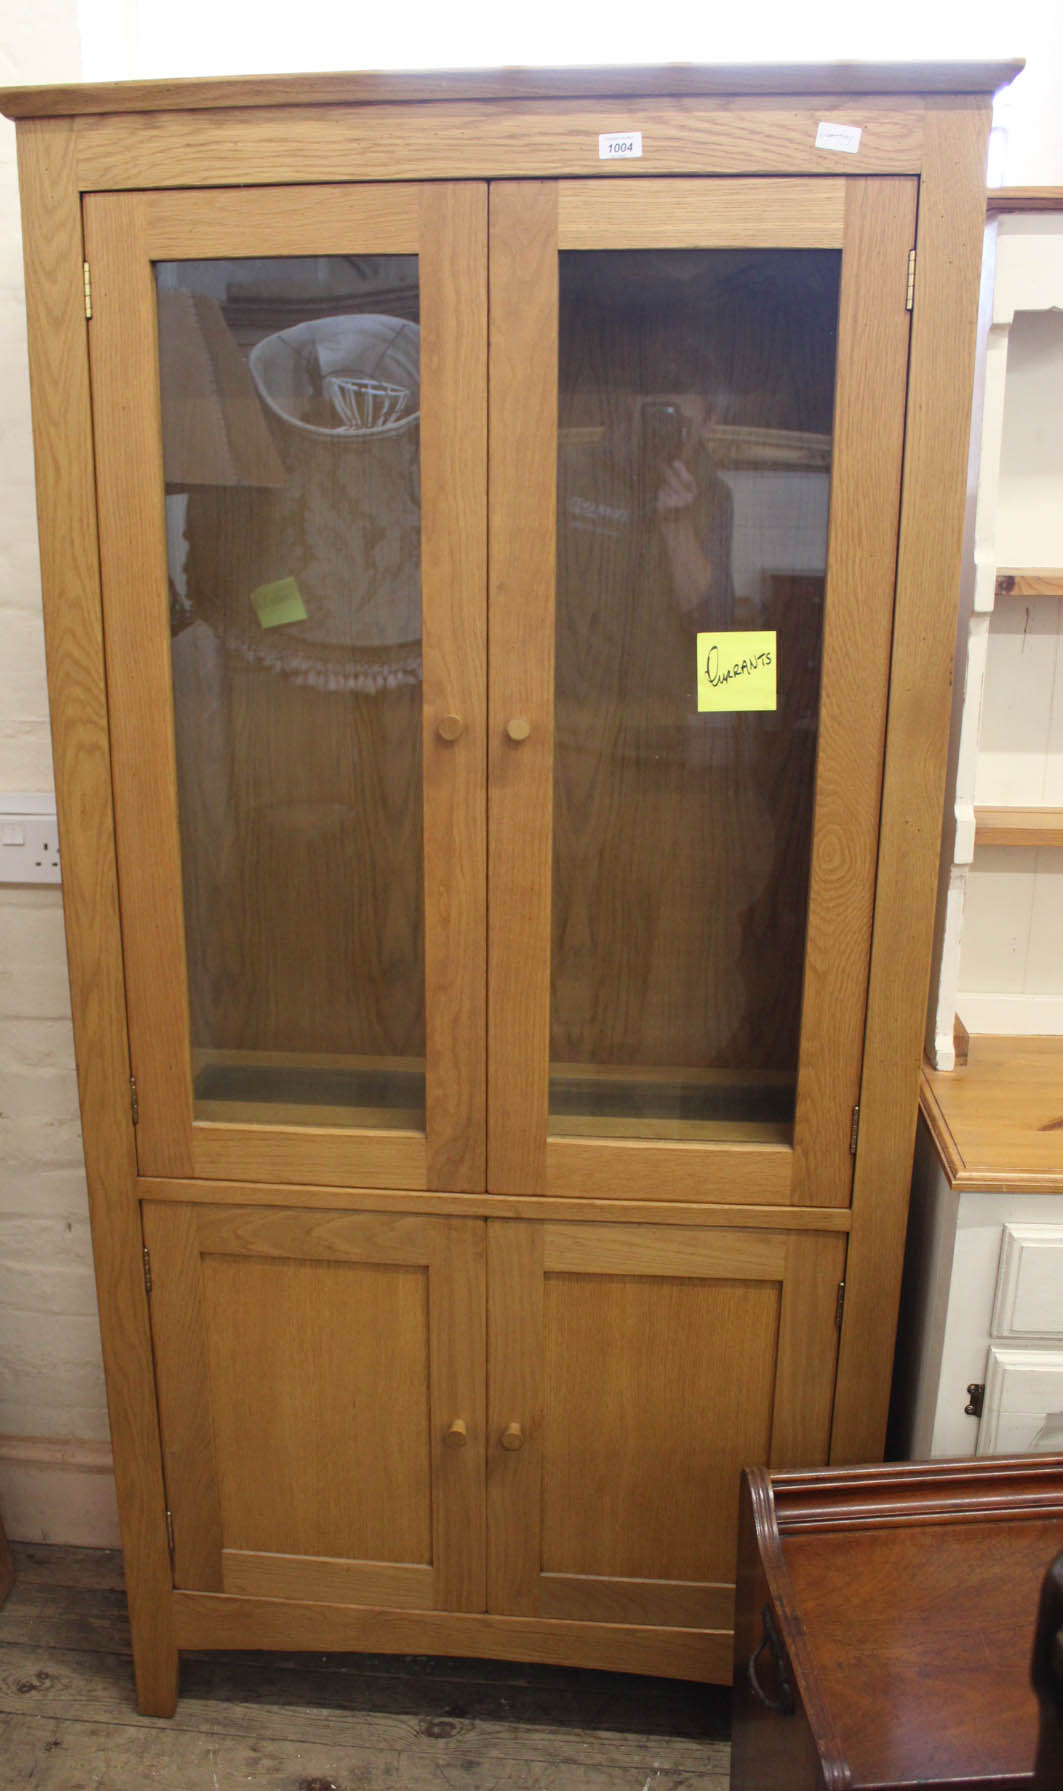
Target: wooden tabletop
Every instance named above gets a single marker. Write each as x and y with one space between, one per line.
998 1123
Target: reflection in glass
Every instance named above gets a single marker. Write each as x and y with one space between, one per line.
696 396
290 394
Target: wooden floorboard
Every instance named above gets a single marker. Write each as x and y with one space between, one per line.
321 1722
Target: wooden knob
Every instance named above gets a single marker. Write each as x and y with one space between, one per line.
457 1435
518 728
450 727
513 1437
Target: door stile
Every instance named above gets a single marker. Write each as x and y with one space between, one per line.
183 1381
869 413
523 483
515 1344
127 423
453 277
457 1316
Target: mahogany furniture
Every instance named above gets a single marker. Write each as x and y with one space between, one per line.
884 1624
499 539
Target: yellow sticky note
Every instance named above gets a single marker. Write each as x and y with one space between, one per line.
736 670
279 602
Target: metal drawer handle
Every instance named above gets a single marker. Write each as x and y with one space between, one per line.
784 1703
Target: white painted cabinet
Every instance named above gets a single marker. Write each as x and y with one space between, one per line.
982 1307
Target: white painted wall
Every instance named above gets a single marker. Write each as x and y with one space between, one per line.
52 1418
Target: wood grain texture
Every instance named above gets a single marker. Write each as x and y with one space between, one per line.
341 1157
997 1124
1001 200
458 1345
246 1574
685 214
951 222
1018 826
130 483
182 1376
308 1367
213 1620
373 87
66 503
643 1366
644 1169
499 1206
268 221
467 141
523 483
869 410
7 1567
514 1387
903 1585
1029 582
453 283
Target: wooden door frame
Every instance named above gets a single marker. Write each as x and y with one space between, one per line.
873 223
445 225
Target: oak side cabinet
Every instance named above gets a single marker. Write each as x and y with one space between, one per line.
499 536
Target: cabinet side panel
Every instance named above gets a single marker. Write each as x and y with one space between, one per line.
59 379
951 221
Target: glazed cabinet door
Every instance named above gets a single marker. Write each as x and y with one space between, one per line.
321 1394
290 425
697 394
633 1371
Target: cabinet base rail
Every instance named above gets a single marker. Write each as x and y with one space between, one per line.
219 1620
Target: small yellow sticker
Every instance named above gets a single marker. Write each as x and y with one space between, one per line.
736 670
279 602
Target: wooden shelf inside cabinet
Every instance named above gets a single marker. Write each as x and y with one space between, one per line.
1018 826
998 1122
1029 581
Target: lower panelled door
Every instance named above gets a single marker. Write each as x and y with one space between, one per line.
321 1390
633 1371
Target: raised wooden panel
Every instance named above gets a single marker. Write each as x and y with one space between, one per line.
309 1366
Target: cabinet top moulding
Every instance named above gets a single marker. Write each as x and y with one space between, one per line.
671 81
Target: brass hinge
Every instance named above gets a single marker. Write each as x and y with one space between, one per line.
88 290
134 1104
975 1399
911 280
854 1130
147 1270
169 1533
839 1306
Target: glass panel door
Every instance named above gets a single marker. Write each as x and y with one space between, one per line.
696 393
290 411
702 385
298 658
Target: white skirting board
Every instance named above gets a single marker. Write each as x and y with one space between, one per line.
58 1491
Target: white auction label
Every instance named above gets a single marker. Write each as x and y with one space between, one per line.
615 145
839 136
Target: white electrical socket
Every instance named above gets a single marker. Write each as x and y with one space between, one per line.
29 840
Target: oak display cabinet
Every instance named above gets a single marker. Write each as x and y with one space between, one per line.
499 538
